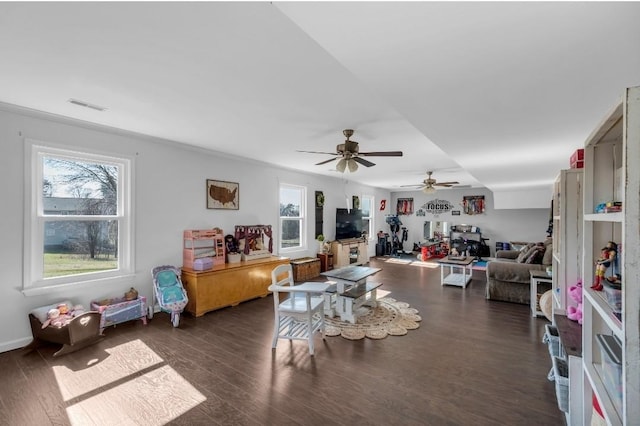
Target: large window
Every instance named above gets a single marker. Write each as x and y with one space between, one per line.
79 229
368 223
292 215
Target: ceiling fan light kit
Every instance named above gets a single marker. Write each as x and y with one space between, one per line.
350 155
428 186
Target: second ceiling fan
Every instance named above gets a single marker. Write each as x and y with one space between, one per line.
428 186
350 155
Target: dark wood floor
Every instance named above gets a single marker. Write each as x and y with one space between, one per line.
471 362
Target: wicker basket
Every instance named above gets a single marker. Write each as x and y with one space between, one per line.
305 268
561 376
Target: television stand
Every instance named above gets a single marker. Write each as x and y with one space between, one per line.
349 252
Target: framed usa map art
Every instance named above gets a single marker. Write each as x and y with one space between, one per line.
223 195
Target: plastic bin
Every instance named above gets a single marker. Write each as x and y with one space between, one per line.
561 374
552 338
613 293
611 357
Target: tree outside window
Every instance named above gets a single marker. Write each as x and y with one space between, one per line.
82 220
292 213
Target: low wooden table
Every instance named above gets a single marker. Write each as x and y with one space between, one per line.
460 271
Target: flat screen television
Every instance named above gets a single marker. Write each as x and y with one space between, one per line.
348 224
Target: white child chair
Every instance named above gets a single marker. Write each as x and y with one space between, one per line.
301 314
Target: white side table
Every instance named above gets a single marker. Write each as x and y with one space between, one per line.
537 278
460 271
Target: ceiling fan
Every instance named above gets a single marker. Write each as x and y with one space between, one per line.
429 184
350 155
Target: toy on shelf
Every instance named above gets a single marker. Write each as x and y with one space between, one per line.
575 312
609 207
233 249
203 248
608 259
251 241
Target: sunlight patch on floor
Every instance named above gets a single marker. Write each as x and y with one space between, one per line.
412 262
125 384
399 261
155 398
116 364
429 265
382 293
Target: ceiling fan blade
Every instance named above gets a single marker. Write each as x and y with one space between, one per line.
319 152
382 154
446 183
420 186
326 161
362 161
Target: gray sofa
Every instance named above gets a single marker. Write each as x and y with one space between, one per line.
508 277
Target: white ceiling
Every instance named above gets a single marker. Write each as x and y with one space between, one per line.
488 94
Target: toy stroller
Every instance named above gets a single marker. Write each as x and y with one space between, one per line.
168 292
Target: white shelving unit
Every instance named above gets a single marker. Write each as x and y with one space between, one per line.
567 235
567 270
612 173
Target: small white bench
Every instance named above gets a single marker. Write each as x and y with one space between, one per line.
349 301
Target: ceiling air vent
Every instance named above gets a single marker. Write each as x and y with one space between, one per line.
87 105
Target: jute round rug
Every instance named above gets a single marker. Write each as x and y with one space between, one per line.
390 317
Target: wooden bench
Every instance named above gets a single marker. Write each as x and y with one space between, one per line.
356 296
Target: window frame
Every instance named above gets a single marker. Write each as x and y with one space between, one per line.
371 218
34 282
302 218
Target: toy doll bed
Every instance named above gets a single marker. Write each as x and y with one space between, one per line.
81 331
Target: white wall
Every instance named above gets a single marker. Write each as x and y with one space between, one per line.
499 225
169 198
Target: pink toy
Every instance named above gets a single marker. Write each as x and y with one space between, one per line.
575 293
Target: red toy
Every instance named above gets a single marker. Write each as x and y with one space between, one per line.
608 258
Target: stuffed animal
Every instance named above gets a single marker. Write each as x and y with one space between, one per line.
77 310
62 315
575 312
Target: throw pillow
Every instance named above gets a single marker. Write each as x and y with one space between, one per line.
526 252
548 254
519 245
536 256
